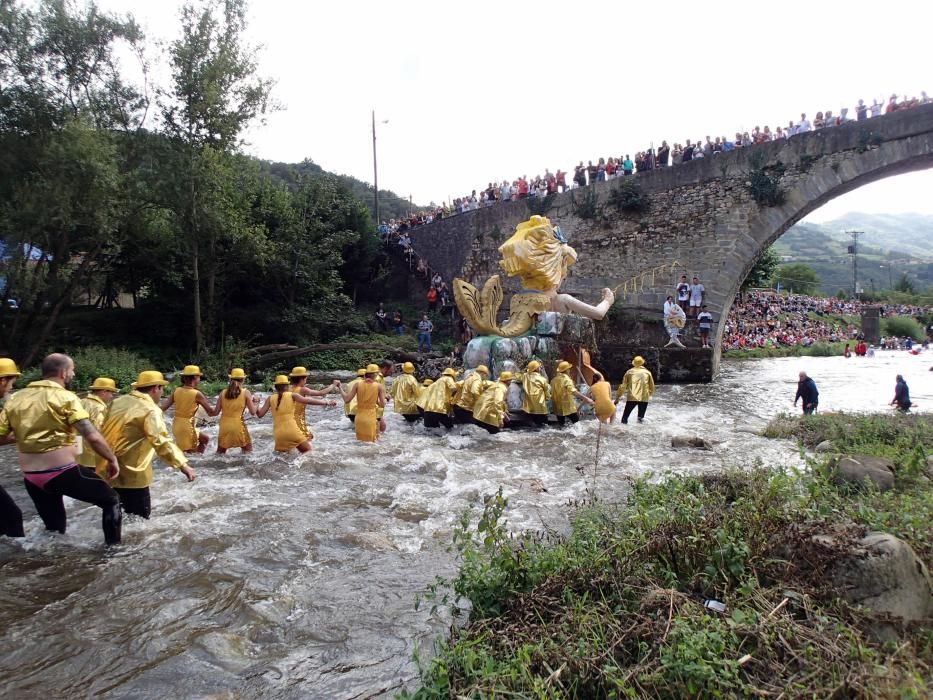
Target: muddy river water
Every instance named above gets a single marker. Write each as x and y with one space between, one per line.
296 577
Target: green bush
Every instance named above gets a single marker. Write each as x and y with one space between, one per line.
902 326
120 365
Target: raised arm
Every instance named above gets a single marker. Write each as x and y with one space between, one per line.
264 409
250 402
216 410
202 401
167 404
348 396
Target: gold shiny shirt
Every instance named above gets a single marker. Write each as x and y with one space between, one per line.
350 408
536 393
437 398
490 407
405 394
637 383
96 411
562 389
135 430
472 389
42 416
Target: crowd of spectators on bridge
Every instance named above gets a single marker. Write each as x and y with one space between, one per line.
652 158
770 319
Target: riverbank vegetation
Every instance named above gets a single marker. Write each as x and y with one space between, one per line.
619 606
121 196
814 350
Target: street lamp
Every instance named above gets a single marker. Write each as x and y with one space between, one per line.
376 172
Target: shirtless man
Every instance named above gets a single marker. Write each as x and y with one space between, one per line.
43 419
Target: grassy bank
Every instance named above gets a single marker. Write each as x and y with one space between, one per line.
616 608
815 350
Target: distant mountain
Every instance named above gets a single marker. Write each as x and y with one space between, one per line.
889 246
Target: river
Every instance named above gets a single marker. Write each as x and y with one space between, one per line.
296 577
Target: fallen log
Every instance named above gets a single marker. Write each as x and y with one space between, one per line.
398 354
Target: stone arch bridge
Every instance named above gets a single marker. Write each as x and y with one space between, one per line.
701 218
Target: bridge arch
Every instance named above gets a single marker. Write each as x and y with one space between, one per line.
702 219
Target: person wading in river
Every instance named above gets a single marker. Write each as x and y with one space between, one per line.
601 391
490 411
438 399
186 400
638 386
806 390
11 517
535 393
563 392
369 395
96 404
405 393
297 381
285 429
901 395
135 426
230 406
470 390
43 419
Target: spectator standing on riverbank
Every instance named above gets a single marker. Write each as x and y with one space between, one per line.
425 328
432 299
683 292
806 390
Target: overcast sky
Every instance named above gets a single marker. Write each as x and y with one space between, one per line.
475 92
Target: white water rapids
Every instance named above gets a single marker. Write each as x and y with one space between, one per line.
296 577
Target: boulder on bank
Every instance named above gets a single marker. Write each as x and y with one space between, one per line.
691 441
824 447
883 573
856 470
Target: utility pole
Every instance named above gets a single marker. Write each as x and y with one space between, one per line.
375 176
853 251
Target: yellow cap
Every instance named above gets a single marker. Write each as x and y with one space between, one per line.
372 368
8 368
533 366
103 384
482 368
449 372
638 361
505 376
563 366
280 379
191 371
149 378
237 373
361 372
298 372
408 368
427 382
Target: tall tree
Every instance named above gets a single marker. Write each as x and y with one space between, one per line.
763 270
63 107
798 277
216 93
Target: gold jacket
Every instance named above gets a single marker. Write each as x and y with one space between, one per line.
135 430
42 416
97 412
438 397
637 383
405 394
490 407
536 392
562 389
472 388
350 408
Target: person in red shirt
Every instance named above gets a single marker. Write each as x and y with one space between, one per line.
432 299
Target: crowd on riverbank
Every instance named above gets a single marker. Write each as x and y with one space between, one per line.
767 318
650 158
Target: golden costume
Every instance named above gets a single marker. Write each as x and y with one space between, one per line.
349 409
232 431
405 394
285 429
602 395
367 420
536 393
185 399
438 397
135 430
96 409
490 408
637 384
562 389
299 410
471 389
42 416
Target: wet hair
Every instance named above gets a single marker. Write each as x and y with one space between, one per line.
189 380
233 389
295 381
597 377
53 364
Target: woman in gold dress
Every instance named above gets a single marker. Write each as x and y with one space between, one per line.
230 406
285 428
370 396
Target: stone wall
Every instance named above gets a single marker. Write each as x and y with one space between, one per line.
701 220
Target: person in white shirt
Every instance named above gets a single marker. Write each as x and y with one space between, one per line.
803 126
697 291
